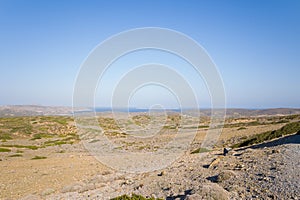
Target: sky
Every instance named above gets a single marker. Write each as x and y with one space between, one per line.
255 46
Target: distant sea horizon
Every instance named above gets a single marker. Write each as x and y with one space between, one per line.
132 109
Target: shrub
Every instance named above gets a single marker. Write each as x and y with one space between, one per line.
288 129
38 157
21 146
41 135
5 136
4 150
200 150
16 155
133 197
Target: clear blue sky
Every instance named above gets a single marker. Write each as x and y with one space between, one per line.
255 44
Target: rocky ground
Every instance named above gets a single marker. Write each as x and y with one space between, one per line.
68 171
267 171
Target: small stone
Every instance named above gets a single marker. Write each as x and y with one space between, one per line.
193 197
214 163
225 175
274 151
72 188
128 182
161 173
139 186
226 151
47 192
238 167
31 197
213 191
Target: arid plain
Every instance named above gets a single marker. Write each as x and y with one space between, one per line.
43 157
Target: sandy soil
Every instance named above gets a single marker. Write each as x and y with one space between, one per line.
21 175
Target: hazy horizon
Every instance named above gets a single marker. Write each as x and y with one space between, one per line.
144 108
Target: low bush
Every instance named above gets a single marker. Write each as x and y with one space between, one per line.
200 150
133 197
38 157
4 150
288 129
16 155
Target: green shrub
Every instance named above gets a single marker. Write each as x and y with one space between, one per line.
41 135
4 150
200 150
21 146
203 126
38 157
288 129
133 197
5 136
16 155
281 121
245 124
67 140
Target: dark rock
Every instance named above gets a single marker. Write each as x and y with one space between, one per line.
161 173
274 151
225 175
226 151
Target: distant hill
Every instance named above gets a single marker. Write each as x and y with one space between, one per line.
36 110
262 112
240 112
33 110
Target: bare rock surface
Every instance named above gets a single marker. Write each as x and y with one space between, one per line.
267 171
